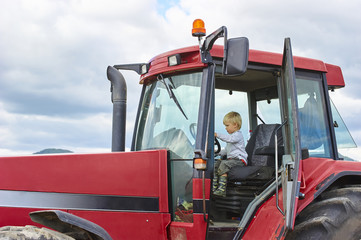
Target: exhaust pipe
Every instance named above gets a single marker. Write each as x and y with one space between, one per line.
119 99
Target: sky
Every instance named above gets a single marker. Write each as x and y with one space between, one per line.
54 53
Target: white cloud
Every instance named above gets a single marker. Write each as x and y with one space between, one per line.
31 133
54 55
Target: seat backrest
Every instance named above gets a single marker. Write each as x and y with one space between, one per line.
263 136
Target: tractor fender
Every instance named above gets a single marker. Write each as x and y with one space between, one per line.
334 178
69 224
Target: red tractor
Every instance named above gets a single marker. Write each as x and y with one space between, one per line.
296 184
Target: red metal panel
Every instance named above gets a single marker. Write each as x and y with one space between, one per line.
268 223
334 76
189 231
129 225
318 172
276 59
16 216
127 174
198 188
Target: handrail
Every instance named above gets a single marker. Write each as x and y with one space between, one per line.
276 163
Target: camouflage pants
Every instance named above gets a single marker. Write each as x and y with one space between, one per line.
223 166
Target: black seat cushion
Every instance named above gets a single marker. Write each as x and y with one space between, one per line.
239 173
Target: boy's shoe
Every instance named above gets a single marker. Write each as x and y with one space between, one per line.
222 185
215 183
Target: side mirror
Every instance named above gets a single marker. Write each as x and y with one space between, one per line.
236 56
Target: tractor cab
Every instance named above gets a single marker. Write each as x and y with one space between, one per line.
287 116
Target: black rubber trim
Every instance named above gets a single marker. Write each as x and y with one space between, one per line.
27 199
322 186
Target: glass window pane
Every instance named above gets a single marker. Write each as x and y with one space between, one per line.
225 103
269 111
181 186
312 116
343 136
162 122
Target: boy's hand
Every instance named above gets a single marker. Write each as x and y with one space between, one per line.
215 134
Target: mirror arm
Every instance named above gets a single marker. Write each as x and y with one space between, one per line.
209 42
235 55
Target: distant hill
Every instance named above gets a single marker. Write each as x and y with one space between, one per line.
53 150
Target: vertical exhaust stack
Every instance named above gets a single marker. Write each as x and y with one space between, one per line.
119 99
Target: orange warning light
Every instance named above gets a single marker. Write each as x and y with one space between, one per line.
198 29
200 164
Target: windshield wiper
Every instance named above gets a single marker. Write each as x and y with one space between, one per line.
171 93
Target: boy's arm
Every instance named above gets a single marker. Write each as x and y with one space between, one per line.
230 138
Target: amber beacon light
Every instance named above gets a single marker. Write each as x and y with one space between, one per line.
198 29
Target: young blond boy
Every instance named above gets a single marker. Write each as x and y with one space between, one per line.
234 151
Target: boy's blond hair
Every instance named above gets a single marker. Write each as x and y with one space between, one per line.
234 118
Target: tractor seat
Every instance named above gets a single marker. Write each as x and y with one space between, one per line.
261 155
244 183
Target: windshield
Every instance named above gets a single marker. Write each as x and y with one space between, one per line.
169 114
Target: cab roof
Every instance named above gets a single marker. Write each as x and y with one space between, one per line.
190 60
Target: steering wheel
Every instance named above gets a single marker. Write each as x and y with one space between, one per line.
192 130
217 145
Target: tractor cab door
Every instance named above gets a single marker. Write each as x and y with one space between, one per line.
291 168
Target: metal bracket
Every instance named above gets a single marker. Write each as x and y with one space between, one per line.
209 42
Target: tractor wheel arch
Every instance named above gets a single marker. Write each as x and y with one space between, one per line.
335 214
340 180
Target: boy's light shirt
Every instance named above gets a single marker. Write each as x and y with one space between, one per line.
235 147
